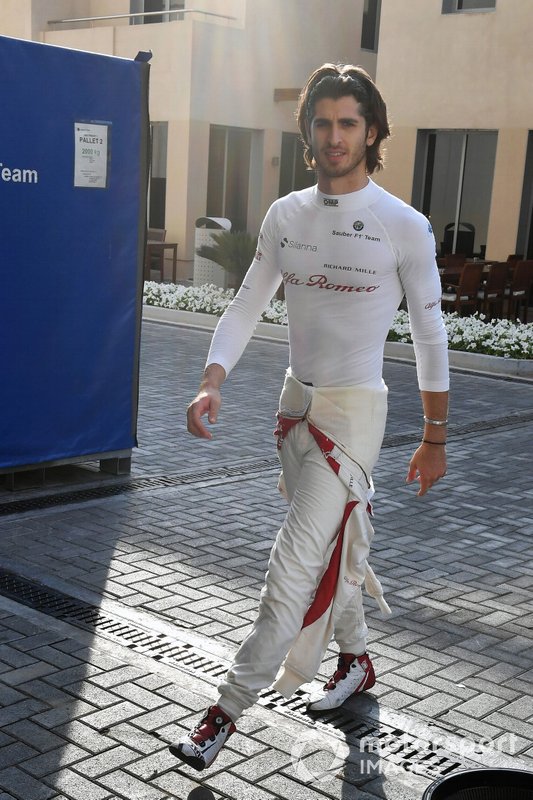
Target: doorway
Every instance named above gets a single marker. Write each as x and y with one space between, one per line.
453 187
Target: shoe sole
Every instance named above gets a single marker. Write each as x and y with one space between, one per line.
193 761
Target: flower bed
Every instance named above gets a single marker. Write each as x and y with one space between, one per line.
473 334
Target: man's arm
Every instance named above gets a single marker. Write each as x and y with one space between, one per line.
428 463
235 329
421 282
207 401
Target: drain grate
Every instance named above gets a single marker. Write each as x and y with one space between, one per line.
70 609
246 470
369 737
509 421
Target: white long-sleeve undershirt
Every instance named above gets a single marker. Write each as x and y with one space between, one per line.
346 262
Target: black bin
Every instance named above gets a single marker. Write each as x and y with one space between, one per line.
483 784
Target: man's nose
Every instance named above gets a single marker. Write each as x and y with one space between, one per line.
335 134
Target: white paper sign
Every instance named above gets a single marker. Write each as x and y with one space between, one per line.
90 155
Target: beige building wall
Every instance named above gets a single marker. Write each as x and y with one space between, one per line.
209 70
234 72
462 71
16 18
507 191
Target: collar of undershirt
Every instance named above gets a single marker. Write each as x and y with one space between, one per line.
348 202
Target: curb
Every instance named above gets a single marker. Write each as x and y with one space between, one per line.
196 319
473 362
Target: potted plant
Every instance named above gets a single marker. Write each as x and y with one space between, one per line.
233 251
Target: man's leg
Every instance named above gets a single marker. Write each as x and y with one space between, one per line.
350 629
296 563
354 673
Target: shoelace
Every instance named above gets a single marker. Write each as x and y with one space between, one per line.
210 720
342 670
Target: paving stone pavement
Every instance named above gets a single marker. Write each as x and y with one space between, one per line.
86 715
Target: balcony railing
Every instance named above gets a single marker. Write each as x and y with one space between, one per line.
165 12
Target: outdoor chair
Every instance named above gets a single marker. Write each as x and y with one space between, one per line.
518 291
154 257
454 261
453 264
463 294
156 234
492 293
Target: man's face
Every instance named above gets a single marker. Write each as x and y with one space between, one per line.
339 138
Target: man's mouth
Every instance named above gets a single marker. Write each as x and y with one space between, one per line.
334 154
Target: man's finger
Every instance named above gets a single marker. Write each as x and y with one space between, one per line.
194 422
424 487
411 474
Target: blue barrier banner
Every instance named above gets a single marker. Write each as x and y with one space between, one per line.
73 171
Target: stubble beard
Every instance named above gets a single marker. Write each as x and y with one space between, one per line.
340 171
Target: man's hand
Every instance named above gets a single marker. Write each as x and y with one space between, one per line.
207 401
427 465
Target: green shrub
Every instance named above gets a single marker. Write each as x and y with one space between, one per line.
233 251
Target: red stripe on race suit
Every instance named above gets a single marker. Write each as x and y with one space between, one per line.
326 445
283 427
326 588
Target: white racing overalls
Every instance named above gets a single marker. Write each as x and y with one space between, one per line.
329 441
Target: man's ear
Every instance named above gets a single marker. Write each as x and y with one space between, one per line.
371 135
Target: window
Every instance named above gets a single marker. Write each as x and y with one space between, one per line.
293 173
370 28
453 187
138 6
524 241
228 174
454 6
158 175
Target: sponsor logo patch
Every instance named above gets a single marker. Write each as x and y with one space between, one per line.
285 242
322 282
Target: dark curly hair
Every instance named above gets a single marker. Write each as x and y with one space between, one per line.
340 80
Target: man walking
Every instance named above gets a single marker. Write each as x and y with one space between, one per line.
347 252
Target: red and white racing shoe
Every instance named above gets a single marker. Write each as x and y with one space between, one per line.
201 746
354 674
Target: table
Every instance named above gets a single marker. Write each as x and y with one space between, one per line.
157 249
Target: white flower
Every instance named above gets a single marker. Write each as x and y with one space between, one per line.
497 337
